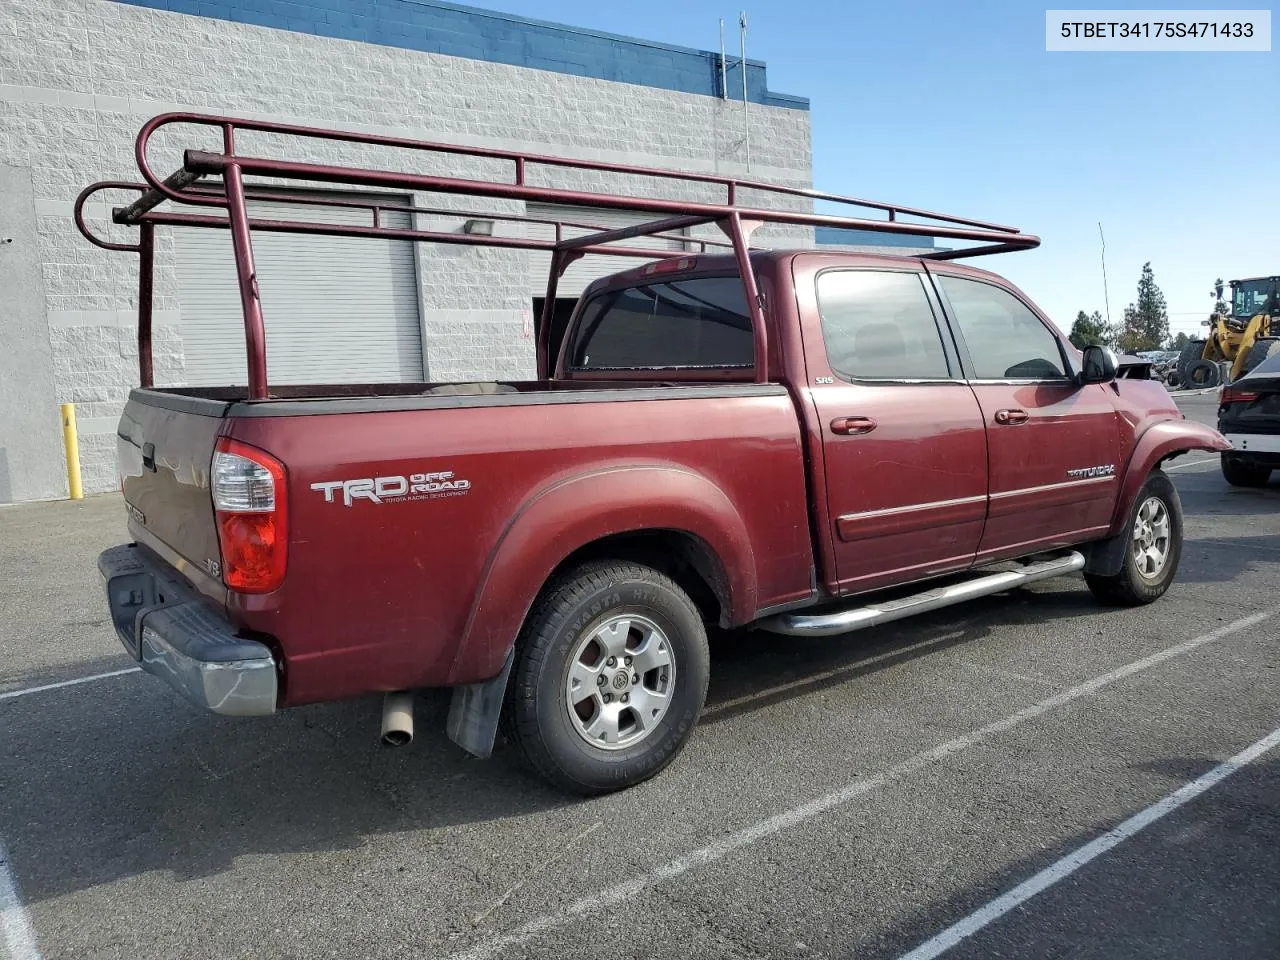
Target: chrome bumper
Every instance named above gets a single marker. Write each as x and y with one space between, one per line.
177 636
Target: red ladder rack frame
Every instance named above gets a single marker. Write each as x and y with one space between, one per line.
734 219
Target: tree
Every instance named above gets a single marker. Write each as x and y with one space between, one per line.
1220 306
1146 323
1089 330
1180 341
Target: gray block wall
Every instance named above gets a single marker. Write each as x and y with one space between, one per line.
78 78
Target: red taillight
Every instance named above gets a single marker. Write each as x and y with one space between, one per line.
252 510
1234 395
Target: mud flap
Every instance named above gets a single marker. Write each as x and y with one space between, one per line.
1106 557
474 711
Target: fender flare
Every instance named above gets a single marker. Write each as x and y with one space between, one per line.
1159 442
576 511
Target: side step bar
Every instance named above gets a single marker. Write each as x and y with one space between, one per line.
857 618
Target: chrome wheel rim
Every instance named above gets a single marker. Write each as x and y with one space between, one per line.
619 682
1151 538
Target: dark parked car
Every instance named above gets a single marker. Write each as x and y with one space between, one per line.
1249 417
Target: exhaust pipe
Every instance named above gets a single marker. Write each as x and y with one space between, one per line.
397 719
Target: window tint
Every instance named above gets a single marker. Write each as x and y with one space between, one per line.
878 325
701 322
1006 340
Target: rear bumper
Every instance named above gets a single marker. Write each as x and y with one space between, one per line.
177 636
1254 442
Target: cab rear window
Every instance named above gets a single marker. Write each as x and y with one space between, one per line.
699 323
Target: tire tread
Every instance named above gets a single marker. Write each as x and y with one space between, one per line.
553 605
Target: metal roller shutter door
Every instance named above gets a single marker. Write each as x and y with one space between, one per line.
336 309
590 267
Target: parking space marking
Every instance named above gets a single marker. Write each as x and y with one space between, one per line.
1191 463
622 892
69 683
1073 861
15 923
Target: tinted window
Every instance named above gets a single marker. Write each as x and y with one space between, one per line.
1006 340
683 323
879 325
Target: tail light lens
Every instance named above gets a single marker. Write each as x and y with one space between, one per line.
1235 395
252 510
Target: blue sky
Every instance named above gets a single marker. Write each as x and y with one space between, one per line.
958 107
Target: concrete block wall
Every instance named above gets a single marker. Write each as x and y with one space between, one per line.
78 78
433 27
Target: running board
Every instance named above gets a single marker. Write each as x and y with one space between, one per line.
856 618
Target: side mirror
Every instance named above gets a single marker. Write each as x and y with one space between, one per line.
1099 365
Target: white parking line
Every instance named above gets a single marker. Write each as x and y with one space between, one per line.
1073 861
1191 463
69 683
15 925
603 900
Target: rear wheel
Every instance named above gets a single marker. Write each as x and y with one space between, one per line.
1202 374
610 676
1153 541
1238 473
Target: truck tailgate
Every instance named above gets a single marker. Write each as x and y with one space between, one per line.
165 448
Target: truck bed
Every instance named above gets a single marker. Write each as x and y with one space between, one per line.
493 484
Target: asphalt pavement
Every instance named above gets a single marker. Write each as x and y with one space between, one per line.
848 798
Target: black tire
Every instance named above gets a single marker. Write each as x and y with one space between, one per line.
1262 348
1131 587
1172 381
1202 374
1193 351
536 715
1238 473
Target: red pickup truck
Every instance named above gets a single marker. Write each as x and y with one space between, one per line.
804 442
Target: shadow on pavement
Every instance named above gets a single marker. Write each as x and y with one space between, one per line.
1202 883
1211 560
749 667
119 778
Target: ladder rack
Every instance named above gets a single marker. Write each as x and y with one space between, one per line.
190 186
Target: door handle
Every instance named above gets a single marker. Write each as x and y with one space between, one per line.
852 426
1012 416
149 456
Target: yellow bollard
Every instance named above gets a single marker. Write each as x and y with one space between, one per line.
72 443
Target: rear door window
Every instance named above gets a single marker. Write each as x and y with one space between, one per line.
700 323
1006 340
878 325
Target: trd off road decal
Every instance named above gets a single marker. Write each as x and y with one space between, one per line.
417 486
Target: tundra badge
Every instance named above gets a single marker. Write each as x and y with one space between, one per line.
1085 473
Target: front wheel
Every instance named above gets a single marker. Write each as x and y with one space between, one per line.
610 676
1153 540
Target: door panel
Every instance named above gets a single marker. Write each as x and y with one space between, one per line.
1035 500
1053 446
907 499
902 437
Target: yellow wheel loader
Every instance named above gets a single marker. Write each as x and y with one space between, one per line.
1245 335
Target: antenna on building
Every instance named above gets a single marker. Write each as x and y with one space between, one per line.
724 70
746 119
